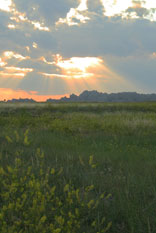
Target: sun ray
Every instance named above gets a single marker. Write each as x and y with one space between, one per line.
77 67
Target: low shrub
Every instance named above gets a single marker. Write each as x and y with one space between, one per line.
36 198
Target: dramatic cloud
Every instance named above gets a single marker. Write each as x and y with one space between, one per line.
65 46
108 36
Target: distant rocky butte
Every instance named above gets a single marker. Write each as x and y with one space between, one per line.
95 96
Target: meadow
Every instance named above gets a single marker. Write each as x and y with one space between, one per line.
78 167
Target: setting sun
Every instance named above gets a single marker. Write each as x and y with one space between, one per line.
77 67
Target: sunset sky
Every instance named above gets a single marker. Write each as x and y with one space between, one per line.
53 48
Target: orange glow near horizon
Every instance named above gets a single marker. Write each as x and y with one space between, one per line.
8 94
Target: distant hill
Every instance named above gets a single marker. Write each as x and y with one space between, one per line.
21 101
95 96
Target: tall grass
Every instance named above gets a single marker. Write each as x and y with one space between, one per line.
37 197
122 138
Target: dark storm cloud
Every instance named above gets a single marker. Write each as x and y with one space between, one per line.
49 11
107 36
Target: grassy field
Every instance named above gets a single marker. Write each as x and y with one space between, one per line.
78 168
